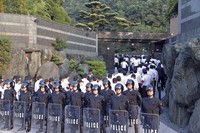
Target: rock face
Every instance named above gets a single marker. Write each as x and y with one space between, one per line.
194 120
181 65
47 70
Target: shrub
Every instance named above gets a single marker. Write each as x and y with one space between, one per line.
5 53
74 66
98 68
60 44
56 59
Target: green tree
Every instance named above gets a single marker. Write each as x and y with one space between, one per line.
60 44
99 17
5 53
98 68
172 9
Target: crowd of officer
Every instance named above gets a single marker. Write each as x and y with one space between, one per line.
134 85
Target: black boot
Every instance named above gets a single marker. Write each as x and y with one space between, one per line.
29 126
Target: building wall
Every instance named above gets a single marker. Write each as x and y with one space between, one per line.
36 33
174 26
189 15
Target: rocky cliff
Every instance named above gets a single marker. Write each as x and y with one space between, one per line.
181 63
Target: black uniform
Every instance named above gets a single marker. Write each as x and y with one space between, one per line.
121 104
86 98
42 108
58 100
151 106
26 97
9 98
107 94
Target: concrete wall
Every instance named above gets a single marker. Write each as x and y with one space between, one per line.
36 33
174 26
189 15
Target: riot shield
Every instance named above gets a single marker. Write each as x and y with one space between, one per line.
19 116
54 118
38 116
91 120
72 119
5 114
150 122
118 121
133 119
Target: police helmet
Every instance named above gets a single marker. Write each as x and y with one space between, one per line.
56 86
88 85
130 81
28 81
105 81
75 84
95 87
56 81
42 82
149 87
42 85
119 86
8 81
24 85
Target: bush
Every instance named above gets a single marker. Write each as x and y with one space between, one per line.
5 53
56 59
60 44
98 68
74 66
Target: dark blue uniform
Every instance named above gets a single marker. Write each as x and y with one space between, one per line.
86 99
151 106
9 97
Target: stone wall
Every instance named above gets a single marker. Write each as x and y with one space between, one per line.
36 33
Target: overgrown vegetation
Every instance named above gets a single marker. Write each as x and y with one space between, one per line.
56 59
74 66
146 14
47 9
60 44
98 67
5 53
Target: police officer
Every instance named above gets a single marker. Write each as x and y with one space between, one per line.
153 107
68 94
10 96
26 97
88 87
77 99
134 98
57 98
96 101
107 93
119 102
42 96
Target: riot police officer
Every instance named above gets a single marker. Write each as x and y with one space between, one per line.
96 101
10 97
88 87
153 107
57 98
42 96
107 93
26 96
134 98
120 103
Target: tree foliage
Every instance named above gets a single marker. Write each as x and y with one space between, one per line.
60 44
142 14
97 67
47 9
5 53
99 17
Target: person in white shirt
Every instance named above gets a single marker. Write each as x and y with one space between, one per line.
146 80
37 83
1 88
17 88
124 66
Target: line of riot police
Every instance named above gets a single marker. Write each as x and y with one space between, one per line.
53 109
